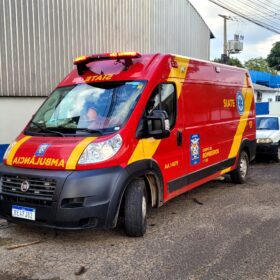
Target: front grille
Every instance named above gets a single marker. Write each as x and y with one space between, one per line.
39 188
26 200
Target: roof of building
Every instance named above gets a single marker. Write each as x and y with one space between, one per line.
264 88
265 78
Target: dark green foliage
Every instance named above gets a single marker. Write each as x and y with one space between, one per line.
259 64
232 61
273 58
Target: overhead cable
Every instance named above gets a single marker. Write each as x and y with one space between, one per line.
255 12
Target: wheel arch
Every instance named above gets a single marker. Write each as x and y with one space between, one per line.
249 146
151 173
147 169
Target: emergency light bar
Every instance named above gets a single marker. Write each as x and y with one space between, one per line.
125 55
81 61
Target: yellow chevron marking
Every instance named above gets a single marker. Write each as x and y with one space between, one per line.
77 152
248 97
15 149
145 148
179 73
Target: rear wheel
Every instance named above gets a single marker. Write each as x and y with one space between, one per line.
239 175
135 209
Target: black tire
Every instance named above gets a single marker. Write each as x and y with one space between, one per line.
276 157
239 175
135 209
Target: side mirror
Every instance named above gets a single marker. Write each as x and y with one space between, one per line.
156 125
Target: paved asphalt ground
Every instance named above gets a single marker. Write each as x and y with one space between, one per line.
217 231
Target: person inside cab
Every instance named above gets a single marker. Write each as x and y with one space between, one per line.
91 118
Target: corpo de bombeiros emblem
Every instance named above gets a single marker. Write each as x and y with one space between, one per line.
24 187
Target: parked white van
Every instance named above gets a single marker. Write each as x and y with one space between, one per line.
268 136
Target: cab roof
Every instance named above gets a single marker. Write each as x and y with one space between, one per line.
104 68
130 66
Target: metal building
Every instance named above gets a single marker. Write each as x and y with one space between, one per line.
40 39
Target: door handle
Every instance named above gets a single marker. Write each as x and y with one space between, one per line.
179 137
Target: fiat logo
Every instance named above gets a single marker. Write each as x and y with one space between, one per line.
24 186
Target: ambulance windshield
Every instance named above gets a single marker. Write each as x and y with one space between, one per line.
96 108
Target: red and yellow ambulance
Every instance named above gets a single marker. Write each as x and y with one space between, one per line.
124 131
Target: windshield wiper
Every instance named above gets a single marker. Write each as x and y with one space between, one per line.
99 131
44 129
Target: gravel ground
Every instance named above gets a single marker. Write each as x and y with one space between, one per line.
217 231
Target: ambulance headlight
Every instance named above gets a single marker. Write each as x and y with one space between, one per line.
6 154
264 141
100 151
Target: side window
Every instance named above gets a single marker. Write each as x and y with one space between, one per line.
164 98
259 96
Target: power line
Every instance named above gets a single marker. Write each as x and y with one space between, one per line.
252 8
264 6
256 20
259 14
252 18
244 14
269 3
255 8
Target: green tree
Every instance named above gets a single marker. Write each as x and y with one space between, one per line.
273 58
232 61
258 64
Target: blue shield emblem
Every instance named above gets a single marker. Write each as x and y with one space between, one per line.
41 150
240 103
195 148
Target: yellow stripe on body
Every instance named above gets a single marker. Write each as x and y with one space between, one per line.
248 97
177 73
77 152
15 149
146 148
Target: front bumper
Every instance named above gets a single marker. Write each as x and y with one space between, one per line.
267 149
98 192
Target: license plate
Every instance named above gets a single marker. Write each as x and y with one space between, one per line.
23 212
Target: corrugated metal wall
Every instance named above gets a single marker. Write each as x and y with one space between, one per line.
178 28
40 38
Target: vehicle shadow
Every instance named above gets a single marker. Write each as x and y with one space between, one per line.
183 203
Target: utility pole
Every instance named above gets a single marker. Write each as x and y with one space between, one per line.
225 56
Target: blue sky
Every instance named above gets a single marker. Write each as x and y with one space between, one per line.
257 40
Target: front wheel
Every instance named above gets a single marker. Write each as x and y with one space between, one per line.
239 175
135 209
